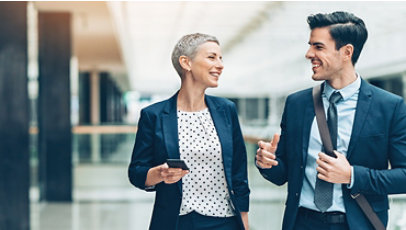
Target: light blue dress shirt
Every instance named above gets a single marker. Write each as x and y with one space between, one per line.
346 112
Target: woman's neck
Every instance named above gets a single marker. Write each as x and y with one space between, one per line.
190 100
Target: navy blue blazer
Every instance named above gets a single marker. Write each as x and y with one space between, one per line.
378 137
157 140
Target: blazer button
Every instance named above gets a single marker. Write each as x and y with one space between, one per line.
232 192
297 194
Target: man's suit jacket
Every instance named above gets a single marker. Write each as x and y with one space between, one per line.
378 137
157 140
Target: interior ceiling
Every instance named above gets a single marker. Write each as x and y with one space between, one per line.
149 31
263 43
93 37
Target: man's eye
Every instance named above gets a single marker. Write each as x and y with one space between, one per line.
319 47
211 57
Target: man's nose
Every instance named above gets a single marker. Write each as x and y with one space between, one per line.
309 54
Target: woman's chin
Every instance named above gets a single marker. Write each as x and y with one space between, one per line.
214 85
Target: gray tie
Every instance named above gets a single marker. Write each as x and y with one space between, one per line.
323 193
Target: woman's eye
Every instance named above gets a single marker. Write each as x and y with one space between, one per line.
211 57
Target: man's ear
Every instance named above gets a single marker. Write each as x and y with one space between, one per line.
185 63
348 51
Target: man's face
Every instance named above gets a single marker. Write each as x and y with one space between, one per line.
327 62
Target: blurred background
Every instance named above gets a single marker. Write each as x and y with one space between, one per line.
74 76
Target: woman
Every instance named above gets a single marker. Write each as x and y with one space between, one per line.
203 131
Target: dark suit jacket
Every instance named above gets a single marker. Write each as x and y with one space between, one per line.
157 140
378 137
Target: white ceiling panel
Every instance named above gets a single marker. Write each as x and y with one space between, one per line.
263 43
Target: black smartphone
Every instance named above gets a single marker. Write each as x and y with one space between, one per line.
177 163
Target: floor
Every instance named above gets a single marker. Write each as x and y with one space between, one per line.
104 200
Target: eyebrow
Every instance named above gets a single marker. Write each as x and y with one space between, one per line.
214 53
316 44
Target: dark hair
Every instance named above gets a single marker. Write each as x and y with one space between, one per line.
345 28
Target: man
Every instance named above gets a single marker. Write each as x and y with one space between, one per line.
370 130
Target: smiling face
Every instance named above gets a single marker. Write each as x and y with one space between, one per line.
207 65
327 62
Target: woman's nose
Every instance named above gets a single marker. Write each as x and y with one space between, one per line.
220 64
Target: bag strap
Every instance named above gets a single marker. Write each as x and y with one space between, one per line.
328 147
321 121
368 211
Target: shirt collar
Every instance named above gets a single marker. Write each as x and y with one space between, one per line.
345 92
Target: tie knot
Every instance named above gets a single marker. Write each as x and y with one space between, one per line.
335 97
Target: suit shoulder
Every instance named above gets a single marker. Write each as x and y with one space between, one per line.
156 107
300 95
385 95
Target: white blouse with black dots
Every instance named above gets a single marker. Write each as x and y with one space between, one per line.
205 187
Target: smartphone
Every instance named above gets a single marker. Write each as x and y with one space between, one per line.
177 163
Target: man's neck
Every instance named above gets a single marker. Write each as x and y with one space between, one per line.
343 80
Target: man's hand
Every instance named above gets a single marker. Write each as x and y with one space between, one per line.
266 158
334 170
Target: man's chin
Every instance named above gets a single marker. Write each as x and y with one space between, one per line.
315 77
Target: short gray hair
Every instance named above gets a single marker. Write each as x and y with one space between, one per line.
187 46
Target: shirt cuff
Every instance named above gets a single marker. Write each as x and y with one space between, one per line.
150 188
349 186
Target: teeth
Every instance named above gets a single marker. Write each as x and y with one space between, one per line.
215 74
315 65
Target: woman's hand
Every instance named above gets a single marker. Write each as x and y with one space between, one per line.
163 173
244 217
171 175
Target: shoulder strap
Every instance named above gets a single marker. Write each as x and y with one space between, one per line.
321 121
328 147
368 211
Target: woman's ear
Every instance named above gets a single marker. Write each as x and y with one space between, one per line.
185 63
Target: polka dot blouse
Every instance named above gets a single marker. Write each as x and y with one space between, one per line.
205 187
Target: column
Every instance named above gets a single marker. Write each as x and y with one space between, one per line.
84 99
55 131
95 97
95 115
14 117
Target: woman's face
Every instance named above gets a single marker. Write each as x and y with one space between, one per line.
207 65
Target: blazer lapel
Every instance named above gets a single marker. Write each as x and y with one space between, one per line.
222 124
362 110
308 118
170 130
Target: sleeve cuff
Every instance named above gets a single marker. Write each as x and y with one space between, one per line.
243 204
149 188
352 179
